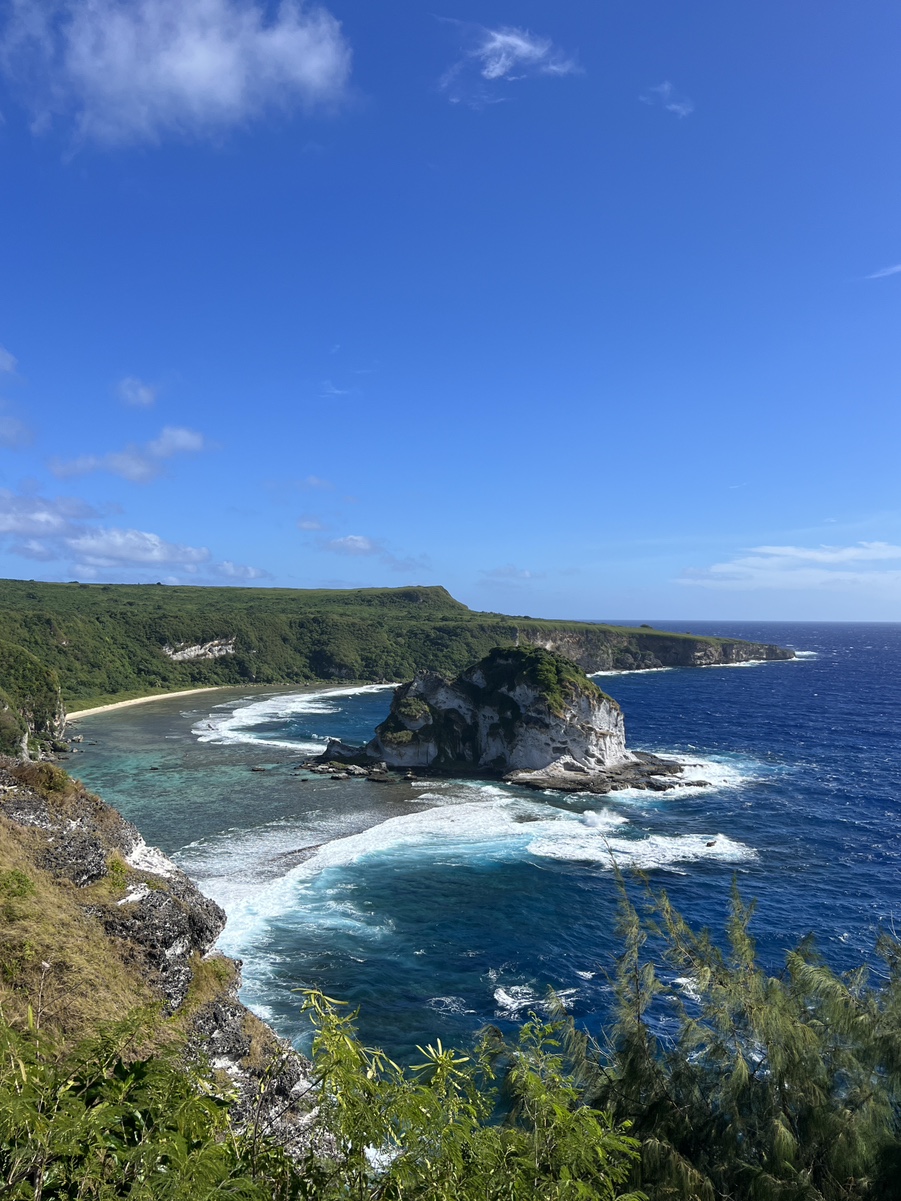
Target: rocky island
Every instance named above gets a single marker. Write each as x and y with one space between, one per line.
522 714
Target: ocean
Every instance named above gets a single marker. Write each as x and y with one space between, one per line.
436 907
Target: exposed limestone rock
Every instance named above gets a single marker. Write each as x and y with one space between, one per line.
521 713
182 652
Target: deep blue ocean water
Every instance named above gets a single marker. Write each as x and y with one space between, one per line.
436 907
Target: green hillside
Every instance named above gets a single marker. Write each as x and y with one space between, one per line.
107 641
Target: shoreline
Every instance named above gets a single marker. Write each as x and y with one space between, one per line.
142 700
308 685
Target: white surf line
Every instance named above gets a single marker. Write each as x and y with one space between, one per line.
239 724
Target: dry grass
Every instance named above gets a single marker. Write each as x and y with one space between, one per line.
55 957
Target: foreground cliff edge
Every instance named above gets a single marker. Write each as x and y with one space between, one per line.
96 924
521 714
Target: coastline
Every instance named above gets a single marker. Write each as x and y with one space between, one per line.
142 700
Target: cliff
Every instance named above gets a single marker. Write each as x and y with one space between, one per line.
110 641
617 648
31 704
522 713
94 924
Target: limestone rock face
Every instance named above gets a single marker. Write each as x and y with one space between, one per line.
520 709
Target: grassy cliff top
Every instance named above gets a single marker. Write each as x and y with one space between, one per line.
415 603
90 599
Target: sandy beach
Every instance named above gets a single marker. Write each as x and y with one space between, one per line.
143 700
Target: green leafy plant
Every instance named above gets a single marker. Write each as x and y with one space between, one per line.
743 1084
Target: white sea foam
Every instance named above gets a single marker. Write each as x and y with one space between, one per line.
698 776
631 671
654 851
449 1005
807 654
498 827
514 998
239 724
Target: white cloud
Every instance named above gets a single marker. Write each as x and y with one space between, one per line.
314 481
667 97
329 391
132 391
33 548
240 571
133 72
32 516
358 545
796 568
8 362
505 54
310 522
34 527
113 547
885 272
510 573
139 464
175 440
354 544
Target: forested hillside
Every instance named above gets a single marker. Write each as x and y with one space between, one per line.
109 641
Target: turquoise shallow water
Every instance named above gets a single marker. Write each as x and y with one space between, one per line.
439 906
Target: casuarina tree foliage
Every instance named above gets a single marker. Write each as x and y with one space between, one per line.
714 1080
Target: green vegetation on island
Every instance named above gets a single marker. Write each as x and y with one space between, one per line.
556 678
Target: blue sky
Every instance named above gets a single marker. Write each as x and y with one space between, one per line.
583 310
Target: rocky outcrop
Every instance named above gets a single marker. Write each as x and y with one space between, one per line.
186 653
31 704
520 713
515 710
106 918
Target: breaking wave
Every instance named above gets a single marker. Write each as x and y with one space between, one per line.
248 722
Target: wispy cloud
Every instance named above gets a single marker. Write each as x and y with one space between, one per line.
64 530
138 463
133 391
665 95
310 522
315 482
885 272
126 73
511 574
8 362
864 566
499 56
328 391
37 527
240 571
14 434
359 546
28 515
